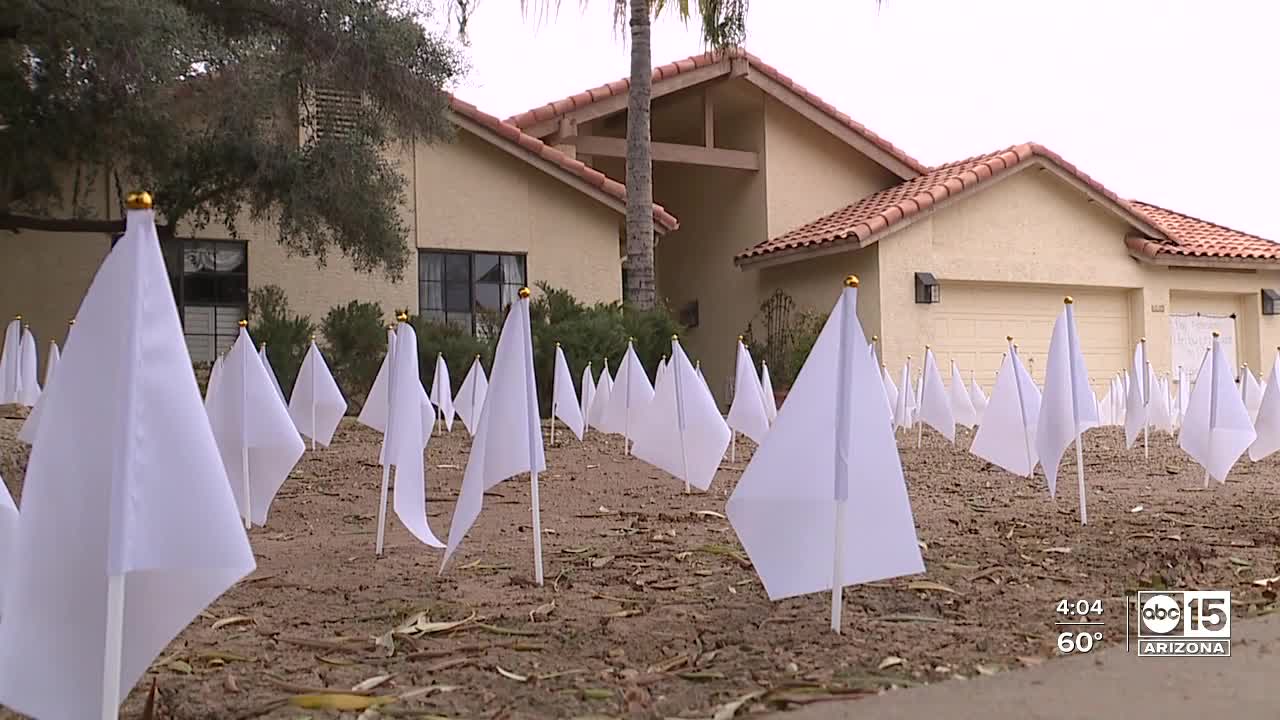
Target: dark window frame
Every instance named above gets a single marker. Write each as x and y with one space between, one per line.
472 283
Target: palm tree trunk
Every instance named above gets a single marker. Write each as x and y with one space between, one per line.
640 281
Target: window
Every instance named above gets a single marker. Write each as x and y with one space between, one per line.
212 294
457 287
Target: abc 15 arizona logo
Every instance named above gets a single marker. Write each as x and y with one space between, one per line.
1184 623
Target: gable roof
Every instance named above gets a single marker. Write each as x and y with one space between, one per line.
882 213
716 64
1191 237
548 159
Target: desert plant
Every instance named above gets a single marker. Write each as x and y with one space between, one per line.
286 335
355 343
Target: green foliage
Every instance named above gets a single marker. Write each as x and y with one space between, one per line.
786 351
203 102
458 346
355 343
287 335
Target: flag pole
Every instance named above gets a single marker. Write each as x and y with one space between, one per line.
1022 407
1146 399
553 399
534 431
313 397
626 420
924 378
1075 405
1213 399
844 438
386 432
680 421
244 433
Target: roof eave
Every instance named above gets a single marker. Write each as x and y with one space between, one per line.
1166 259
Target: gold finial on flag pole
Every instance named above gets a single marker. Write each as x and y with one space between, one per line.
72 321
851 281
313 337
557 343
524 293
18 316
1008 338
403 317
1215 334
138 200
875 338
244 323
673 337
1067 300
1142 340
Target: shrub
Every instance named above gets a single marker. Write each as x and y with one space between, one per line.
355 343
286 335
783 336
458 346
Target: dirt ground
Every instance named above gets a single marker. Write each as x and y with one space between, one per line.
650 608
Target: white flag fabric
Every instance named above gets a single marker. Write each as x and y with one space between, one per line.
1106 408
698 367
682 430
29 391
977 397
11 363
1267 426
662 370
587 395
903 412
1217 430
1159 412
766 390
1137 396
27 433
1184 393
406 437
1067 408
316 403
246 414
1007 434
211 387
1251 391
564 397
600 399
470 397
935 406
377 404
8 531
126 451
508 440
442 392
827 449
271 373
630 393
961 404
747 413
51 364
890 392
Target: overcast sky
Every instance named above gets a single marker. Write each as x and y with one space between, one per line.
1169 101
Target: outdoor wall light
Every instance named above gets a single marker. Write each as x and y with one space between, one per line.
1270 301
927 289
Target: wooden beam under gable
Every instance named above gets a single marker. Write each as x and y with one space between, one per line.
671 153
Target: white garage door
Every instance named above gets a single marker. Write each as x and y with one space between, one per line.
973 319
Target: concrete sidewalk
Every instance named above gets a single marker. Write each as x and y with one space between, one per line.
1104 684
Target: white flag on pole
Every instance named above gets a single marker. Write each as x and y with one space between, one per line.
823 502
470 397
1067 408
630 393
377 404
1251 391
1267 426
126 451
977 397
11 363
1159 413
8 532
29 392
1007 434
961 403
51 365
442 392
890 392
904 411
747 413
406 438
271 373
1217 430
587 395
27 433
1137 393
508 440
766 390
256 438
211 387
682 430
600 399
564 397
316 403
935 406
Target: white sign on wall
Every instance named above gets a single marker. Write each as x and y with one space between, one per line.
1192 334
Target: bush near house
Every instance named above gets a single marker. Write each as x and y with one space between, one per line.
355 343
458 346
287 335
783 336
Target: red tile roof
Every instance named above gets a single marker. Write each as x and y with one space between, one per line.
1193 237
670 70
876 213
536 149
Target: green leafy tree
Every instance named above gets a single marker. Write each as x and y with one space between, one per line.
287 335
205 103
356 342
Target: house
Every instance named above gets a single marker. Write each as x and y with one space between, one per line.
777 191
491 211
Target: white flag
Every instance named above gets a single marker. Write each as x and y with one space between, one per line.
904 411
442 392
977 397
1250 391
823 502
682 430
961 403
211 387
1159 413
564 397
470 397
27 433
11 363
1184 393
316 403
630 393
377 404
600 399
1137 396
1267 426
1007 434
588 394
1216 431
271 373
935 406
29 391
51 364
125 452
1067 408
890 391
766 390
406 437
747 413
256 438
508 440
8 533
